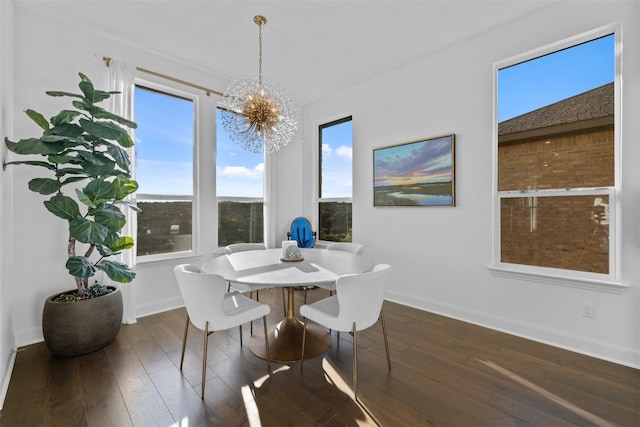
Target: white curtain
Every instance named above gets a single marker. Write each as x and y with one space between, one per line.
123 80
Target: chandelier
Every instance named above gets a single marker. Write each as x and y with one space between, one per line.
258 113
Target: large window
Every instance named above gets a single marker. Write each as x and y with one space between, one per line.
164 170
239 187
335 193
556 160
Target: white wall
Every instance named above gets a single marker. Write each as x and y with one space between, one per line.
7 338
440 255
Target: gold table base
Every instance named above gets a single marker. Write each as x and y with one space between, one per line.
285 338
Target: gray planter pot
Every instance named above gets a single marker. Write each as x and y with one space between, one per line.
79 327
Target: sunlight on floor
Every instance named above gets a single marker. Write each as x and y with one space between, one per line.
253 413
333 377
548 395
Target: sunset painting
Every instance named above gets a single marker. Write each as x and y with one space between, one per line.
418 173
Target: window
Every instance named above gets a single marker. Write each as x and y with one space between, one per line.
335 192
556 158
164 170
239 183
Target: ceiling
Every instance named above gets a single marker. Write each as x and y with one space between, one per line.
314 48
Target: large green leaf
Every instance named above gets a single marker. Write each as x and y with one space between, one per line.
110 216
80 266
122 243
64 117
34 146
119 155
87 231
73 179
34 163
59 93
105 130
125 140
71 171
44 185
116 271
96 164
60 159
67 129
123 187
38 118
81 105
63 207
101 113
84 199
99 191
87 88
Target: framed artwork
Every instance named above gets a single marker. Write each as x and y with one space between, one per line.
419 173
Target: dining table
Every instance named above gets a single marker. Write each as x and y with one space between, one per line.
268 268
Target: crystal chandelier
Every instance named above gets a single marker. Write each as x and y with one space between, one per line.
259 113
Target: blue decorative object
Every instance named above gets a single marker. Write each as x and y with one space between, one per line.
302 233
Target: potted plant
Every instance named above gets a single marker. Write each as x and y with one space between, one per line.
83 150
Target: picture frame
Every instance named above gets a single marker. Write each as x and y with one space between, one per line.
417 173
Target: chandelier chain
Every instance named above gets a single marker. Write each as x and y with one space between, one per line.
260 53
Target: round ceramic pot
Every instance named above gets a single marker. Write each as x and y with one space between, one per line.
79 327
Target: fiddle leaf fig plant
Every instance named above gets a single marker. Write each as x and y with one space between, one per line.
85 146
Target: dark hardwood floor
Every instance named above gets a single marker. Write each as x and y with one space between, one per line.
444 372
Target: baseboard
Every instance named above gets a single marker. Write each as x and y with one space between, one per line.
584 345
6 377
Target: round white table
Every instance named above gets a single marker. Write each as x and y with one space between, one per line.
264 267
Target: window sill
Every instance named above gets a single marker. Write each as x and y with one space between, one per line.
593 284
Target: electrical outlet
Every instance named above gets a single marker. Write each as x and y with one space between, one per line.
588 310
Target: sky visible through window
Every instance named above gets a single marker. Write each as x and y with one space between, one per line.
542 81
239 172
164 143
337 153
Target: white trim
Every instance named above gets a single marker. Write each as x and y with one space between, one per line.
573 279
173 89
609 282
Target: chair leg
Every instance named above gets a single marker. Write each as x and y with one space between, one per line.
304 339
386 340
241 332
355 361
184 341
204 358
338 341
266 342
251 324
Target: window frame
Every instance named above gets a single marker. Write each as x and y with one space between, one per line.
610 282
169 89
319 199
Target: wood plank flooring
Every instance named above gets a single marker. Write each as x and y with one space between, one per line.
444 373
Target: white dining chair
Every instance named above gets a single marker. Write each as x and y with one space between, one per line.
211 308
355 248
356 305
